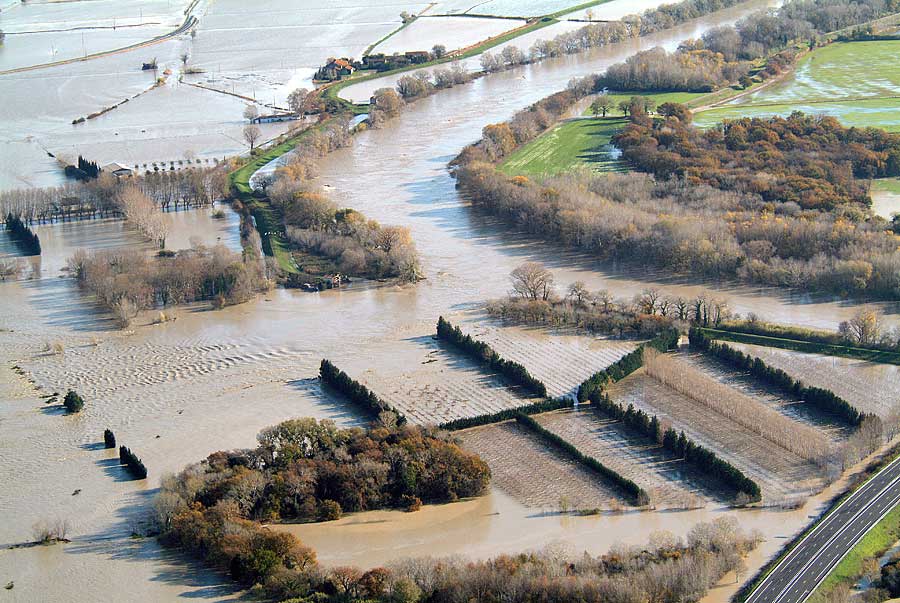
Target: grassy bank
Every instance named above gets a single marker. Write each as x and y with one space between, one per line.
568 145
810 347
874 544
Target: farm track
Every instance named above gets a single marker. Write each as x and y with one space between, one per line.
868 386
668 481
534 474
781 474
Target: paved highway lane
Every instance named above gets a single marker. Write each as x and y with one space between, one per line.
804 568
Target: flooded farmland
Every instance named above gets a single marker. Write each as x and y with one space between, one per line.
212 379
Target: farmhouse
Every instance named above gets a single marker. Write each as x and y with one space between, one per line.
118 170
335 69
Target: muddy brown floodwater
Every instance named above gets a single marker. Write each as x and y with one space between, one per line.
211 380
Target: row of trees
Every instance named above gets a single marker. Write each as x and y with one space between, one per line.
483 354
132 463
636 494
508 414
144 215
127 281
803 440
680 445
22 235
356 392
822 399
193 187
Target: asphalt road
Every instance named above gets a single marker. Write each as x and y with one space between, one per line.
804 568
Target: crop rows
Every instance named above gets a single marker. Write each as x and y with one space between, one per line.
665 479
528 470
781 474
561 361
873 388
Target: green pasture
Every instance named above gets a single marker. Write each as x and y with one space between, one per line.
568 145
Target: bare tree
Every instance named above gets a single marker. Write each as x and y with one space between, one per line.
184 58
297 100
438 51
251 113
863 328
252 135
532 281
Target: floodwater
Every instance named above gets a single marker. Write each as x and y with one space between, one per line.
452 32
211 380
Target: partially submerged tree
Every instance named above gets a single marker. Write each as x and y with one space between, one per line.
532 281
252 134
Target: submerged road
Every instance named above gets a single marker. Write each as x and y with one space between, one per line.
804 568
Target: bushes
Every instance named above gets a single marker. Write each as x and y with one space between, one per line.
23 236
505 415
486 356
627 364
355 391
109 439
822 399
73 402
638 496
134 465
703 459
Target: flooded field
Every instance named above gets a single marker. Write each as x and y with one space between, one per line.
452 32
212 379
868 386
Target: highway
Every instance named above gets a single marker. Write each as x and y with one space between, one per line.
807 565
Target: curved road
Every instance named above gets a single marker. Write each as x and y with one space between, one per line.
805 567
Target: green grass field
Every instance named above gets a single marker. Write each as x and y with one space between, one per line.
856 82
570 144
850 569
685 98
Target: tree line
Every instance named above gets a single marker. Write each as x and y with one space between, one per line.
636 494
134 465
508 414
356 392
483 354
822 399
703 459
22 235
627 364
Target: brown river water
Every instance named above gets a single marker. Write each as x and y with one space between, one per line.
211 380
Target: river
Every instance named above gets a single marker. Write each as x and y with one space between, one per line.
211 380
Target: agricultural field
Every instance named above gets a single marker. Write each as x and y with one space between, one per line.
573 143
453 32
431 384
507 8
781 474
868 386
526 469
668 481
749 385
561 360
886 197
856 82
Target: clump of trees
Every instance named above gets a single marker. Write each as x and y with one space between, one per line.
127 281
813 162
132 463
73 402
359 246
22 235
488 357
822 399
687 69
804 441
638 495
84 170
109 439
356 392
301 464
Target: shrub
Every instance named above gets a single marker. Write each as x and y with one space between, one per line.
73 402
329 510
109 439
